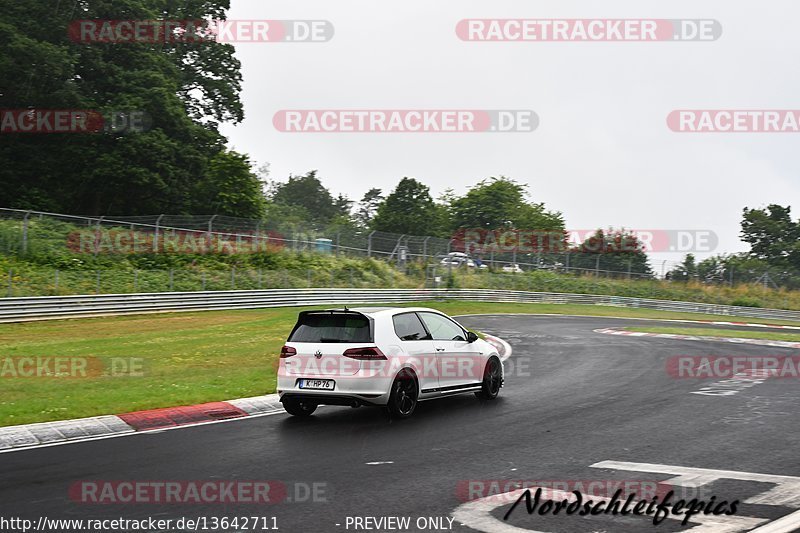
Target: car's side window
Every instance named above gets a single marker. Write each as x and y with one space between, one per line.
442 328
409 328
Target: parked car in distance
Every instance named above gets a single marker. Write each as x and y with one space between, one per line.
383 356
513 268
457 259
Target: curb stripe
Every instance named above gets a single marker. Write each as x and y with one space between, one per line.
181 416
734 340
503 348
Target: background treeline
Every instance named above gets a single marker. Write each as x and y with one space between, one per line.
773 259
180 165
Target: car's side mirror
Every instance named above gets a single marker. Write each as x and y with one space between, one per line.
471 336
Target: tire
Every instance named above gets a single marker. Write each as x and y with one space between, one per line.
492 380
297 407
404 396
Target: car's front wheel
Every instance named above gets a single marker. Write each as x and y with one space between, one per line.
298 407
404 395
492 380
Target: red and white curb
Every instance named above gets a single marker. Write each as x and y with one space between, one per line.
15 438
734 340
503 348
746 324
678 320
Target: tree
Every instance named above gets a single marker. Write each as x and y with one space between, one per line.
772 235
231 187
307 192
185 89
368 206
501 203
612 251
684 271
409 209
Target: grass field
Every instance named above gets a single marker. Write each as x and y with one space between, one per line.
188 357
727 333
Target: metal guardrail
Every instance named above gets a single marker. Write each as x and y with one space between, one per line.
55 307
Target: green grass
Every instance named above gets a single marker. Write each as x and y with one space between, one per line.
727 333
189 357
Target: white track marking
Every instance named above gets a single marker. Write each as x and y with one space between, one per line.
679 320
711 338
682 472
787 524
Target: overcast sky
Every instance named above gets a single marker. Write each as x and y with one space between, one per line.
602 154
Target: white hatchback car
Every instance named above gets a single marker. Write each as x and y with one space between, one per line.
383 356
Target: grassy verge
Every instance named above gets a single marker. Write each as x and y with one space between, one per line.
727 333
188 357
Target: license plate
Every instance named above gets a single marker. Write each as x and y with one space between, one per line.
321 384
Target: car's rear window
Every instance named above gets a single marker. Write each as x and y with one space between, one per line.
332 327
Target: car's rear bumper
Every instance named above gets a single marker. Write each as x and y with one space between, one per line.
349 390
326 398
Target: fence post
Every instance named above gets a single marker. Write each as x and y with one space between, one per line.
425 250
210 229
630 263
55 287
233 277
135 280
351 278
567 261
338 247
308 277
25 232
97 286
203 280
155 237
10 282
369 244
97 236
171 279
597 266
259 278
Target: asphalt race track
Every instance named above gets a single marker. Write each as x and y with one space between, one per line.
573 398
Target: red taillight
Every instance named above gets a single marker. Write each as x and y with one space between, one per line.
287 351
371 353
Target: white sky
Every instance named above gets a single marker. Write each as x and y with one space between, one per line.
602 153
